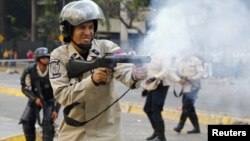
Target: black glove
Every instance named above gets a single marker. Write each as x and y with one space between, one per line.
150 80
144 93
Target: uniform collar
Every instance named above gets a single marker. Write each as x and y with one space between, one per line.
93 53
73 54
40 72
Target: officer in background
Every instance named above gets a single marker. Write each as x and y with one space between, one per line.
191 70
86 96
36 86
160 75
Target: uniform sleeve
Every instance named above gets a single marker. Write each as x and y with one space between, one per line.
161 74
26 84
167 71
65 92
173 76
123 72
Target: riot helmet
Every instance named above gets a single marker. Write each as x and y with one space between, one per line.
41 52
77 12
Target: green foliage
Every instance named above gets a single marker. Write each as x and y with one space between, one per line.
140 3
48 24
111 9
17 18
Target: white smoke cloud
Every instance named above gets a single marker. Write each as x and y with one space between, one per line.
218 30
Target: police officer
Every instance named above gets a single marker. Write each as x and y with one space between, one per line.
156 87
191 70
87 95
36 86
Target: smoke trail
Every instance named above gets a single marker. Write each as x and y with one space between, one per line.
218 30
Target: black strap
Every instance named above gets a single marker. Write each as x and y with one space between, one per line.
75 123
133 86
180 94
71 121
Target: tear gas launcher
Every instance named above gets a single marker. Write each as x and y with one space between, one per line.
77 67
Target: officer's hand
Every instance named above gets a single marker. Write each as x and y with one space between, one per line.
101 75
54 115
150 80
38 102
182 81
140 73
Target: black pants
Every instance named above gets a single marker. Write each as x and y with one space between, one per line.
188 108
153 107
29 118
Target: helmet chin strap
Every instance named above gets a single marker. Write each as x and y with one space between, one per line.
83 46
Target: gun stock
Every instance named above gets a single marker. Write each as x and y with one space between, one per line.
77 67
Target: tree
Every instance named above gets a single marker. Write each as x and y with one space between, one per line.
48 24
16 19
135 10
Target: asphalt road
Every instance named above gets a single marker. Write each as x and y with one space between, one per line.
135 127
225 96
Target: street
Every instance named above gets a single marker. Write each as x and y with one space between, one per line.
223 96
135 127
215 97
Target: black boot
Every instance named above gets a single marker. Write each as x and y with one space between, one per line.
153 136
179 127
194 120
181 123
160 131
161 137
195 130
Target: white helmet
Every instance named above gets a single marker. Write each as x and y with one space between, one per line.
77 12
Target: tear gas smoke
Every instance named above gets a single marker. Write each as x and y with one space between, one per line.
217 30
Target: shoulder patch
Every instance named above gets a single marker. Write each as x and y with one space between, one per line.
117 51
54 69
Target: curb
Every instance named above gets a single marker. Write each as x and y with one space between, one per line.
170 114
19 137
126 107
11 91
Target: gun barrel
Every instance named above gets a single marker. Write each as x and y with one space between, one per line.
137 59
77 67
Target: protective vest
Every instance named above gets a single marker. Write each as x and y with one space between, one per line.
44 82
